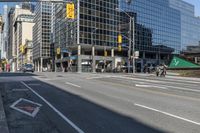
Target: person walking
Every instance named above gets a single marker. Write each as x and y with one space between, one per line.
165 69
157 70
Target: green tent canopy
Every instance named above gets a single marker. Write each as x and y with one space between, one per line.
181 63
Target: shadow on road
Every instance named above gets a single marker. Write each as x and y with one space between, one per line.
89 116
5 74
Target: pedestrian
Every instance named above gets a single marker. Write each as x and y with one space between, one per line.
162 73
165 69
145 69
157 70
7 67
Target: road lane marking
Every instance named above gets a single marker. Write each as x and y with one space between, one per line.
68 83
168 114
166 86
151 91
151 86
160 81
30 109
106 76
56 110
149 80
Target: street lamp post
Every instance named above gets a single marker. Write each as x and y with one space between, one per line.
93 50
131 23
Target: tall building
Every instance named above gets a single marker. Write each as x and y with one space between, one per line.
18 18
164 23
1 34
42 48
190 25
28 52
160 28
23 32
11 53
91 38
5 32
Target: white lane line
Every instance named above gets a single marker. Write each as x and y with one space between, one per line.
151 86
168 114
166 86
107 76
56 110
181 88
68 83
161 81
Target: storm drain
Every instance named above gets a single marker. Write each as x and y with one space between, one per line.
27 107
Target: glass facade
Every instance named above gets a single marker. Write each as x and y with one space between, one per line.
156 23
162 20
190 25
99 22
42 30
157 28
65 29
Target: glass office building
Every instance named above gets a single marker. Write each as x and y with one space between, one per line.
42 48
162 20
157 31
190 25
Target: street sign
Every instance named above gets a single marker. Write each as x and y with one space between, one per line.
70 10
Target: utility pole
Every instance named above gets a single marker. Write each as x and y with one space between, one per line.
131 39
133 49
93 51
129 48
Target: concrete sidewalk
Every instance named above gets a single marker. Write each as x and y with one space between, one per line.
3 121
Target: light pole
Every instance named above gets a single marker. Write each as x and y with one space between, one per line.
93 50
131 23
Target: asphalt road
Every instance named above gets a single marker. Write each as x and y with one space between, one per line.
102 103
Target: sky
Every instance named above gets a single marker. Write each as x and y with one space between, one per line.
197 6
196 3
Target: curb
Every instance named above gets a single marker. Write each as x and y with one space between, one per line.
3 121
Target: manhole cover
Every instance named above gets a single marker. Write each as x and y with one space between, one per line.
27 107
59 76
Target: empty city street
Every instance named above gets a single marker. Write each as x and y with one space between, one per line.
101 103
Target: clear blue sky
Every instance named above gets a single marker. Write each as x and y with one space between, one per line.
194 2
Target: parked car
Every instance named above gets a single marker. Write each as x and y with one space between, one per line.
28 68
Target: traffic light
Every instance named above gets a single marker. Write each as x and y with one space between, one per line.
119 47
58 51
119 38
105 53
70 10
